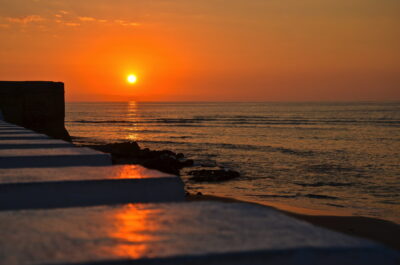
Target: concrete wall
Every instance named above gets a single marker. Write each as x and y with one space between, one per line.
36 105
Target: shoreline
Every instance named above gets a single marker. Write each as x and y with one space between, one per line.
381 231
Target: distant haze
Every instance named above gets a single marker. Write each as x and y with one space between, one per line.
208 50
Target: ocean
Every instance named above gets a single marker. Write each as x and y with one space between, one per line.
340 158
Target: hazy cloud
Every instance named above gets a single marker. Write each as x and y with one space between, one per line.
71 24
25 20
62 17
87 19
126 23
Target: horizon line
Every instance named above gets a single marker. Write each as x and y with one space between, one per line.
235 101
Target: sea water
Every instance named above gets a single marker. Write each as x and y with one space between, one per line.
322 156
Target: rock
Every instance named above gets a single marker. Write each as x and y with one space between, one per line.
122 149
130 153
204 175
163 163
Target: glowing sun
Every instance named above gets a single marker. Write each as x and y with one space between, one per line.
131 79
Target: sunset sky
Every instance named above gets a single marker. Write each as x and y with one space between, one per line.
208 50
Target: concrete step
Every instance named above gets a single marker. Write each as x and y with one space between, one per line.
40 172
43 152
21 143
38 140
13 129
52 157
177 233
25 136
16 132
41 161
6 124
31 188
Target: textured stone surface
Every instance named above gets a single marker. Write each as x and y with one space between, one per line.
35 105
53 160
29 175
43 195
31 143
25 136
17 152
32 188
228 233
15 132
39 151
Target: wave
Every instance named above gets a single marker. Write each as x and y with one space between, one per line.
321 184
319 196
104 121
245 120
327 168
247 147
309 195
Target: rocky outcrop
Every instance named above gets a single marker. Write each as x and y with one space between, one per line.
130 153
35 105
213 175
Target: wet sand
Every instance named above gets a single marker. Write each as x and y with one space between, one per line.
385 232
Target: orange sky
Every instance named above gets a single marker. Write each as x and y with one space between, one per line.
237 50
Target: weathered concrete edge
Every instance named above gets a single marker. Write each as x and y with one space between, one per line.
59 194
296 256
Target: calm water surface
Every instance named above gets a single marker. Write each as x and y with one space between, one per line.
324 156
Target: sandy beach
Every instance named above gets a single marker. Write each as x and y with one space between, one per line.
385 232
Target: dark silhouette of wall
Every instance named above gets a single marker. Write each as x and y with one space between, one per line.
35 105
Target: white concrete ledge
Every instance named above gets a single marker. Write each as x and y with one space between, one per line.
48 153
47 174
42 195
18 142
71 150
16 132
37 141
29 188
177 233
54 160
25 136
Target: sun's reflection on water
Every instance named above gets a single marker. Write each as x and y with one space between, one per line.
132 117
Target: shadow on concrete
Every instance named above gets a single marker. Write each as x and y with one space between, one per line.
33 146
306 255
53 161
45 195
